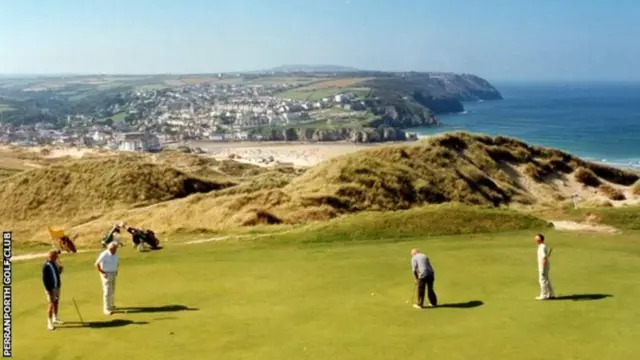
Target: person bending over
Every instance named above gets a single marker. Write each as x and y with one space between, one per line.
424 277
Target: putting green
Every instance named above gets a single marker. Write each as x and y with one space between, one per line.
344 301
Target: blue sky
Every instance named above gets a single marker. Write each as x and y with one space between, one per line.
496 39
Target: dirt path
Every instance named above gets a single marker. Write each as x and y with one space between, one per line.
31 256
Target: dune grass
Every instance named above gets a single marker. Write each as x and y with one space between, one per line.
6 172
344 300
587 177
612 193
171 191
458 167
67 190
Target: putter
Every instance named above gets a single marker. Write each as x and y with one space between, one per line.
77 310
412 299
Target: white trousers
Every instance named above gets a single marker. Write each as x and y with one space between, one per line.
108 291
546 290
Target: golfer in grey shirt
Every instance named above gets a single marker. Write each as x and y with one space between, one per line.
425 277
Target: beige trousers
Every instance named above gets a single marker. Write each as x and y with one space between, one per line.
108 291
546 290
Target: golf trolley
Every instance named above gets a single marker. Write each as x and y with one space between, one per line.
142 236
62 241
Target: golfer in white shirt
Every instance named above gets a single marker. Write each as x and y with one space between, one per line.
107 264
546 290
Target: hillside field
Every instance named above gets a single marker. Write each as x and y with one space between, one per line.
77 86
318 90
5 107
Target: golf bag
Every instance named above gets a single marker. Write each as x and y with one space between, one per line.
144 236
65 243
109 236
62 241
151 239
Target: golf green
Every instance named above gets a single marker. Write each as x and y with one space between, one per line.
234 300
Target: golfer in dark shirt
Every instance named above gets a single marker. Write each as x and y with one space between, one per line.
51 271
425 277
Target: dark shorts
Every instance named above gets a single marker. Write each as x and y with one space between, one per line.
52 295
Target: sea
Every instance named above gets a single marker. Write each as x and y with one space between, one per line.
598 122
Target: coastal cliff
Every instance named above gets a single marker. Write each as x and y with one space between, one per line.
441 93
467 87
387 124
396 101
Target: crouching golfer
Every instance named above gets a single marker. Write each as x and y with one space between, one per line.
546 290
424 276
51 271
107 264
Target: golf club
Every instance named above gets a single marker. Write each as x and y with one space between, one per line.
77 310
412 297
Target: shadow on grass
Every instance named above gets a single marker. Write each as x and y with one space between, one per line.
150 249
583 297
102 324
463 305
154 309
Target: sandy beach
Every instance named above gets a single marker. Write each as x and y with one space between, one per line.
268 153
258 153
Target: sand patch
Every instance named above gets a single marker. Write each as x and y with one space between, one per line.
583 227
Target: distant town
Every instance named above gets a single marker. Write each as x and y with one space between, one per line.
217 112
144 113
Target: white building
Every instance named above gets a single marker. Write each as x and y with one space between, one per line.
139 142
243 135
100 137
216 137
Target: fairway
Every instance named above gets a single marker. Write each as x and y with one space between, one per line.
267 299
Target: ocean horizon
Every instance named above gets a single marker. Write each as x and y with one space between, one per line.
597 121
